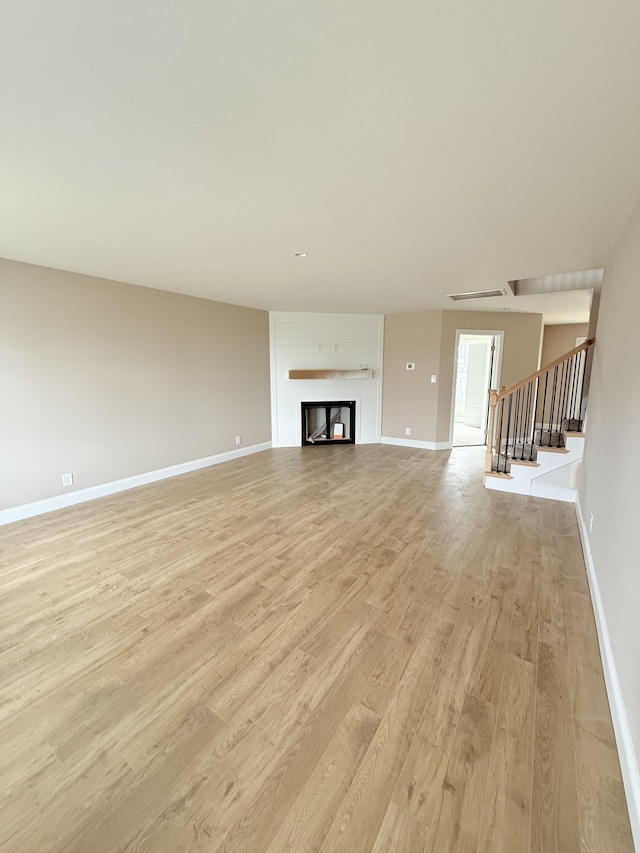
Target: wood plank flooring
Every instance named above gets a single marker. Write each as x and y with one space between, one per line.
314 649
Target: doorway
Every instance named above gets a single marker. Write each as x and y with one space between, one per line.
477 370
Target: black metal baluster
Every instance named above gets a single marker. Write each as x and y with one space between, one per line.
581 361
570 392
560 398
526 394
563 390
536 397
534 404
525 419
506 449
500 425
565 406
567 399
553 402
544 405
584 376
576 380
519 415
556 413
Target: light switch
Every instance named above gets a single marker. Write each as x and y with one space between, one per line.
433 378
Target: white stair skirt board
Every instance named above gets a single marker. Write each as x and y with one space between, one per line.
19 513
559 484
420 445
554 493
538 480
565 476
621 728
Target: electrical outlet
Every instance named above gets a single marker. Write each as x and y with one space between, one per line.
238 439
411 365
407 431
67 479
590 522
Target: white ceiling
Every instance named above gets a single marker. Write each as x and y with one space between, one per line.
412 149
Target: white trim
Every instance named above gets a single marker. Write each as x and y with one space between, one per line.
624 739
494 380
380 372
420 445
554 493
18 513
273 374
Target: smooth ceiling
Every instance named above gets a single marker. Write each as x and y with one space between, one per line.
412 149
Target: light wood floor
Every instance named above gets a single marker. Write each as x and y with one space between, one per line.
315 649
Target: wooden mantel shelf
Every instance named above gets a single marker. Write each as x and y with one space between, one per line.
331 374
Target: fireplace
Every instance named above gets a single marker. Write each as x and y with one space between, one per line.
329 422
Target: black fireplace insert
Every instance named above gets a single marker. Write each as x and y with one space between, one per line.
329 422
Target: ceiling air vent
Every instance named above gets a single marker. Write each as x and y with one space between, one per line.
475 294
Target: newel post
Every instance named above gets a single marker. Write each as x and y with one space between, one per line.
493 402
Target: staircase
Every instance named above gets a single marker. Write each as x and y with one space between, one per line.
535 440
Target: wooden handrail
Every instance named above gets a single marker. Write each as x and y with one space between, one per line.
543 370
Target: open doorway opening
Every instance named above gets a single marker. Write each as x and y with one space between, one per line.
477 370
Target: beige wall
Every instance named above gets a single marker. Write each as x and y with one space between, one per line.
557 340
408 397
429 339
107 380
611 468
521 354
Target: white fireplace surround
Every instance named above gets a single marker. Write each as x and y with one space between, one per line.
303 341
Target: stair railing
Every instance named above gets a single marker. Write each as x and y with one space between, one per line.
537 411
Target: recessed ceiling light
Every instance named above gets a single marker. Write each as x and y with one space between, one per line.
299 254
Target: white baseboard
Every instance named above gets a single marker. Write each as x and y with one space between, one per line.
624 739
19 513
420 445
